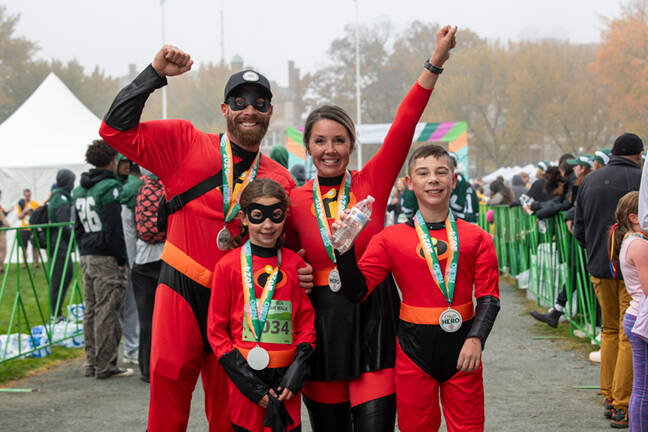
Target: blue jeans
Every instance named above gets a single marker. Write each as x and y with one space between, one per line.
638 409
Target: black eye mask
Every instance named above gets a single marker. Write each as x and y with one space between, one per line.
267 212
241 99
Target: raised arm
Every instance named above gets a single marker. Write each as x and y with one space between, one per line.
383 168
156 145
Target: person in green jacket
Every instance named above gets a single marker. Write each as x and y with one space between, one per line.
59 209
464 202
100 239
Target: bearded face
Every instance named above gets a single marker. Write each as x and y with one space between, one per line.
247 127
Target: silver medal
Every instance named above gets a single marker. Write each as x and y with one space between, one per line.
450 321
334 281
223 238
258 358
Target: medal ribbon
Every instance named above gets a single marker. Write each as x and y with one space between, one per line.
635 234
230 201
254 317
322 222
447 283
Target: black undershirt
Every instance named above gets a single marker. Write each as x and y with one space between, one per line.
263 252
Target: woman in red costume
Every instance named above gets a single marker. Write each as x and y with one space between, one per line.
351 385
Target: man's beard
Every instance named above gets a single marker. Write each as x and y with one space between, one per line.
247 138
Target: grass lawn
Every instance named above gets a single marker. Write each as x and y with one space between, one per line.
30 287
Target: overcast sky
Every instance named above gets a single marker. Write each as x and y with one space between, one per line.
267 34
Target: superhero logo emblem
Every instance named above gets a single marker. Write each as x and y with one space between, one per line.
440 246
261 277
329 199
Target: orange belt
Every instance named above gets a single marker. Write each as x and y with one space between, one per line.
278 359
425 315
320 277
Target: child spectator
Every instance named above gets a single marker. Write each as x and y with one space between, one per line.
630 249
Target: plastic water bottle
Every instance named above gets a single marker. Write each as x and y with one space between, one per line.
355 222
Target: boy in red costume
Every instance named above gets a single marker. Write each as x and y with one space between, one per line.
435 261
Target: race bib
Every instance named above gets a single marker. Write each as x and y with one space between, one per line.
278 325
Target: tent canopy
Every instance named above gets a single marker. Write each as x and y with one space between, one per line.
52 128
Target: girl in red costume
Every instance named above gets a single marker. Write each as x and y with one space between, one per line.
260 321
436 261
352 381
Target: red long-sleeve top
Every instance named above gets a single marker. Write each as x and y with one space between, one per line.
398 249
376 178
183 156
225 319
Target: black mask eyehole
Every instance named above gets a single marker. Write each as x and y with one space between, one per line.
258 213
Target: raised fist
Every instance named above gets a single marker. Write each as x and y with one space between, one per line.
445 41
171 61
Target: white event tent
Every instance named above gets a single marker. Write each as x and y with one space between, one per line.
50 131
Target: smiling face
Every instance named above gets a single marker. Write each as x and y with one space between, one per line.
330 147
432 179
266 233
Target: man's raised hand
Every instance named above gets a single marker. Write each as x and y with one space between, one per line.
445 41
171 61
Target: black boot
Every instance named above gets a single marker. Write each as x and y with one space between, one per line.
551 317
377 415
329 417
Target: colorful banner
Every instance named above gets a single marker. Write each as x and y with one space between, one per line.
453 133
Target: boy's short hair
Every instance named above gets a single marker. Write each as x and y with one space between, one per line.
100 154
427 150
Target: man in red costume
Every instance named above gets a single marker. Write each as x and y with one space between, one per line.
436 261
203 175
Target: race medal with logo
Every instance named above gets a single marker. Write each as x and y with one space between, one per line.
258 358
335 284
450 320
223 238
255 316
231 197
334 281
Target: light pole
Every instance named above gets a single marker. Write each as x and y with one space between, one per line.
357 55
164 95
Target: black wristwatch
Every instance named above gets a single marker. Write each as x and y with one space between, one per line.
429 66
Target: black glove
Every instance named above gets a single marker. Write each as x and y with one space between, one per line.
485 313
299 369
243 376
277 417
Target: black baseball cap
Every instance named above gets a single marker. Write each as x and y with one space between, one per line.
247 77
627 144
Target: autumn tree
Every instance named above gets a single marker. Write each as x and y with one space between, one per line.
620 67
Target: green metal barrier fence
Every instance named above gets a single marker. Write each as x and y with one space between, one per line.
25 309
544 258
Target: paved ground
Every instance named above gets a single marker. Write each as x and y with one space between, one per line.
529 387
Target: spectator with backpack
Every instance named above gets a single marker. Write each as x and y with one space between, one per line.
59 209
147 263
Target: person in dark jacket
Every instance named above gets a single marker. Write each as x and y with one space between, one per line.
557 187
537 189
596 202
100 238
59 209
517 186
